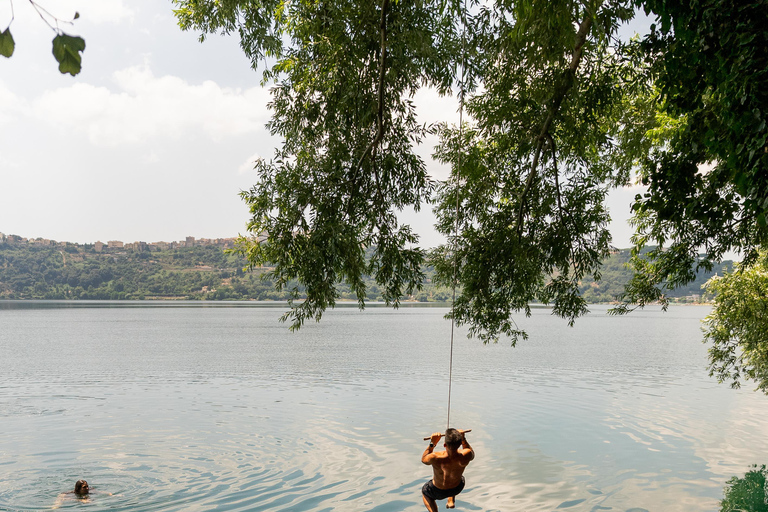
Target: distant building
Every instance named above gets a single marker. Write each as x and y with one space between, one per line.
137 246
224 242
100 246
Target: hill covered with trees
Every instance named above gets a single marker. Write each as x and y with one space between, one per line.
197 273
209 273
616 272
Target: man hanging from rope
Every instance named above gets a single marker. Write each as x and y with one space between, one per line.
448 468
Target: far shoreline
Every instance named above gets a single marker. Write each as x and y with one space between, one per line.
185 302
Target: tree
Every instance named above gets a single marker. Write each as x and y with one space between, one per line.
708 185
737 327
66 48
748 494
345 73
561 110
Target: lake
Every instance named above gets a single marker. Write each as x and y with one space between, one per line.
200 406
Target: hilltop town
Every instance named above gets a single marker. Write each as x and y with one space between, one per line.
117 245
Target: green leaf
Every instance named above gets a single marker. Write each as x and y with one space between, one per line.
66 50
6 43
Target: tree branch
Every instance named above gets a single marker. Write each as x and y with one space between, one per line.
565 84
382 71
557 172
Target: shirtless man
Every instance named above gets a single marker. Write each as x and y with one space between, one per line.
447 467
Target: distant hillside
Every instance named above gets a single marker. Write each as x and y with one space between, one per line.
204 273
198 273
615 275
79 272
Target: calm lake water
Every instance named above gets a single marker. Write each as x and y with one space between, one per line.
202 407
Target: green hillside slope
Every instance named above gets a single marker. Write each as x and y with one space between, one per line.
205 273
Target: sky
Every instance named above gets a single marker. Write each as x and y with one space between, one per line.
157 135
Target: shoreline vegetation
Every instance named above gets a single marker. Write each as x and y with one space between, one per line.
211 273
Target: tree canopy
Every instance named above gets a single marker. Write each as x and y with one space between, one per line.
560 109
708 185
746 494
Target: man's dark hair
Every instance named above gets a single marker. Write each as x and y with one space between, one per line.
452 438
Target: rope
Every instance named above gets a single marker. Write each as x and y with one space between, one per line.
456 219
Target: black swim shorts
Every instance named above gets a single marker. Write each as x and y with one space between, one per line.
430 491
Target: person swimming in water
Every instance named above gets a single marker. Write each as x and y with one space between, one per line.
82 492
447 468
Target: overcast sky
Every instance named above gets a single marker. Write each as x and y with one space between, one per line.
154 139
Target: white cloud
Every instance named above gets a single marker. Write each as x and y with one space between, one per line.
433 108
7 164
95 11
150 158
145 107
248 165
10 105
62 12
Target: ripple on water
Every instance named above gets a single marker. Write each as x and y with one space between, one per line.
232 412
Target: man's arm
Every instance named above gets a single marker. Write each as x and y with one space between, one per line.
466 449
428 457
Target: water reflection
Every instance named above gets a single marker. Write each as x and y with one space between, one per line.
746 494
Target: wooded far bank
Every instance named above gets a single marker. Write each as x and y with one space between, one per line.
211 273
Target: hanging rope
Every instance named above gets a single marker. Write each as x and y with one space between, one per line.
457 184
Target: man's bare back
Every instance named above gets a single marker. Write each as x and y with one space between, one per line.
447 468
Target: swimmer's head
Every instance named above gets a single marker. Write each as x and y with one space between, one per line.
81 487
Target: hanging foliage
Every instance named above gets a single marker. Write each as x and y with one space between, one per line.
561 110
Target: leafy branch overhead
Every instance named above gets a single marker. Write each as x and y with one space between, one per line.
67 49
344 77
707 186
561 109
